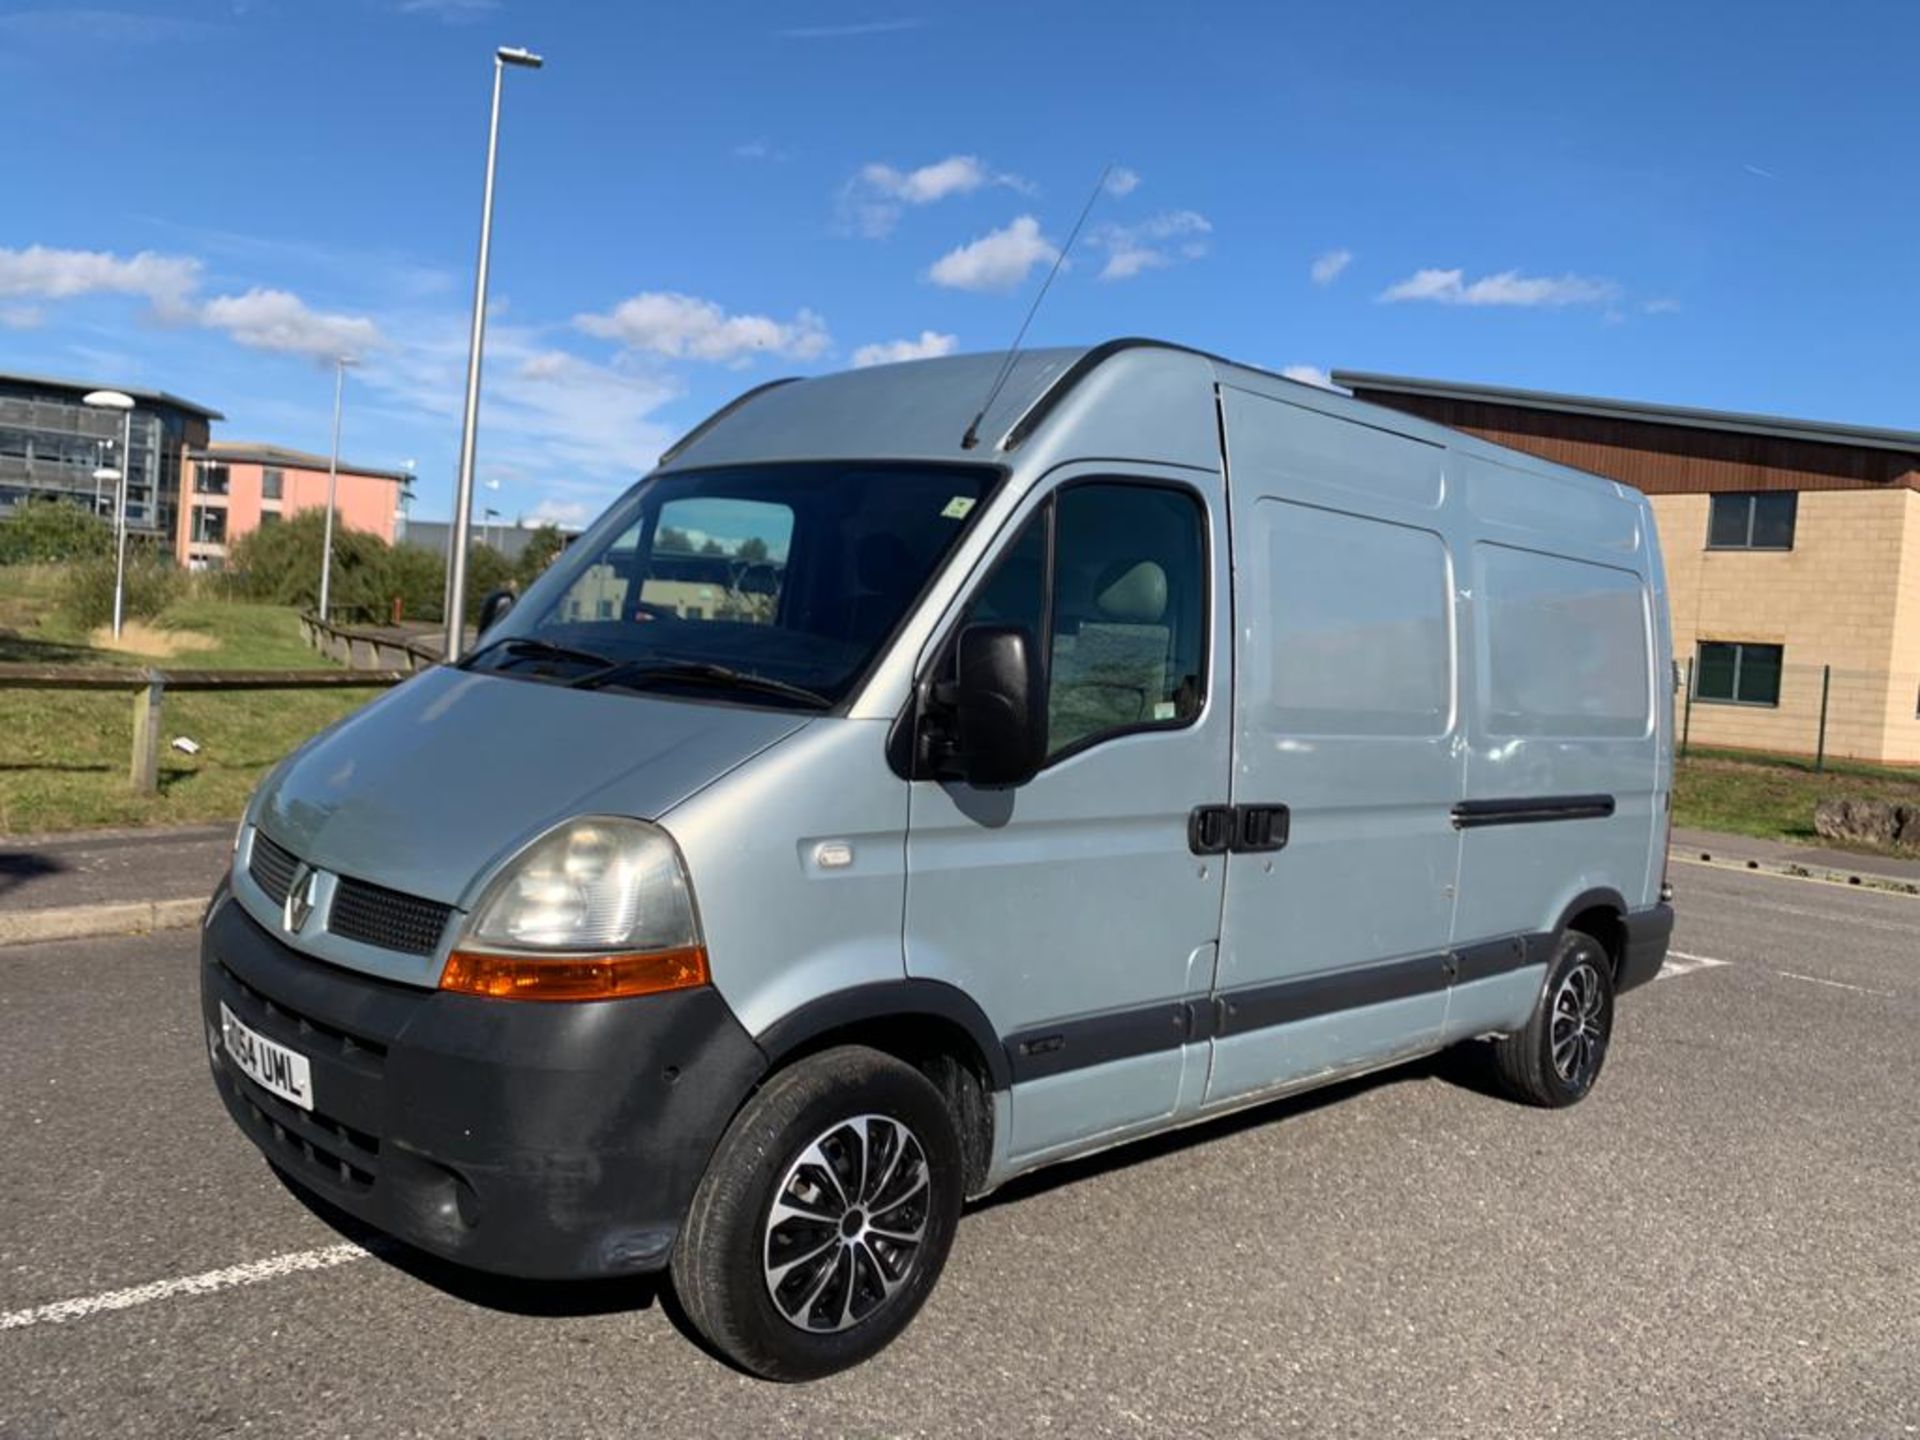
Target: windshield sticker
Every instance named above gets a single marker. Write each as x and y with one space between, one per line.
958 508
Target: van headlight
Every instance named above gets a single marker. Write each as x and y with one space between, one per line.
595 909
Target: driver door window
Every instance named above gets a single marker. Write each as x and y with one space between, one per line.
1111 580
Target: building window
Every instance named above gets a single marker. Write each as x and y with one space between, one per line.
1734 674
210 479
272 482
1758 520
209 525
269 517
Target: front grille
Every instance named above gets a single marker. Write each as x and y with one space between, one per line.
311 1036
310 1143
374 915
271 868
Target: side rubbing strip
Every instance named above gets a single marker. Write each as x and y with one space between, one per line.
1090 1040
1534 810
1264 1005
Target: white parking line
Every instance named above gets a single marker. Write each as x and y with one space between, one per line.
1679 962
1837 984
205 1283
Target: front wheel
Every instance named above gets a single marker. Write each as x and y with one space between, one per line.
824 1217
1556 1059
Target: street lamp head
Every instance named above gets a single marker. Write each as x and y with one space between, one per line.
106 473
107 400
514 55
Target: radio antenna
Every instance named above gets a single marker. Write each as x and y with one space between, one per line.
1005 372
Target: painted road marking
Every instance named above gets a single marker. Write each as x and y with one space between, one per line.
205 1283
1679 962
1837 984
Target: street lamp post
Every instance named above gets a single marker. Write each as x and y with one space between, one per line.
340 364
116 400
463 494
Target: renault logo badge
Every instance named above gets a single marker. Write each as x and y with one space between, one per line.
300 898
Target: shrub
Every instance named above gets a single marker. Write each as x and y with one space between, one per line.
152 583
487 570
281 564
53 531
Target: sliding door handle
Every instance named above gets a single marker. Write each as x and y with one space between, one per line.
1261 828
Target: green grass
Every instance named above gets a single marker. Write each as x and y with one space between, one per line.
1772 796
64 754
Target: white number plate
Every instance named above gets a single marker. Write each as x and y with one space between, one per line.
273 1067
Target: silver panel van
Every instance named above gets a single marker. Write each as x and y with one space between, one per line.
872 807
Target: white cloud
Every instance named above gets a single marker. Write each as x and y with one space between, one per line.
850 31
1122 181
1309 375
452 10
998 261
1509 287
873 200
1326 268
576 428
281 321
674 325
1661 306
929 346
1161 240
42 273
20 317
568 514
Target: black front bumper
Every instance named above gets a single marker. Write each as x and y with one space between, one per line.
543 1140
1648 934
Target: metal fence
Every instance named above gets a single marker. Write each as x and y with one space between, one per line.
1824 712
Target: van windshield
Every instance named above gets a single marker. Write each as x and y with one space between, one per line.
772 584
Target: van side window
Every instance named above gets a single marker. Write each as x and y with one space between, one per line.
1122 631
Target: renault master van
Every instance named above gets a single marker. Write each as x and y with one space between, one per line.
873 806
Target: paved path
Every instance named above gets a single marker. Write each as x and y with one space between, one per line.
1775 852
1723 1241
111 866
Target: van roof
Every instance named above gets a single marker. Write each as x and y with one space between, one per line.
1153 402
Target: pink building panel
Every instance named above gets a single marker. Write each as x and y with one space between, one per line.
211 521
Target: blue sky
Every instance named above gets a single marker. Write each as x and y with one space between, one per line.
1651 201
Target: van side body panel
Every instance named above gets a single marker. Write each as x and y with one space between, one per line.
793 929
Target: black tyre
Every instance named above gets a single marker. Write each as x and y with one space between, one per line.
1555 1060
824 1217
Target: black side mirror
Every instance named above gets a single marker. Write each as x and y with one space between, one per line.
999 706
494 609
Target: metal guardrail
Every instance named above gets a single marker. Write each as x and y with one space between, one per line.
150 687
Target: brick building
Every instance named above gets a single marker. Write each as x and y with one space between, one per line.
1792 551
235 487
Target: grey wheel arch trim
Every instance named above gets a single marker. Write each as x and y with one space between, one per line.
889 1000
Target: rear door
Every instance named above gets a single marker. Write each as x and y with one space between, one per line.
1334 949
1562 787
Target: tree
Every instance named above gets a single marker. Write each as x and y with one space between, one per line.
712 546
753 549
673 539
541 548
44 532
487 570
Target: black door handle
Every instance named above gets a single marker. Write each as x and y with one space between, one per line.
1242 829
1261 828
1210 829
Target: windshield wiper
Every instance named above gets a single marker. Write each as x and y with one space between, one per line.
546 650
640 674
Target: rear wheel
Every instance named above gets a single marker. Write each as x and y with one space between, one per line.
1557 1058
824 1217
